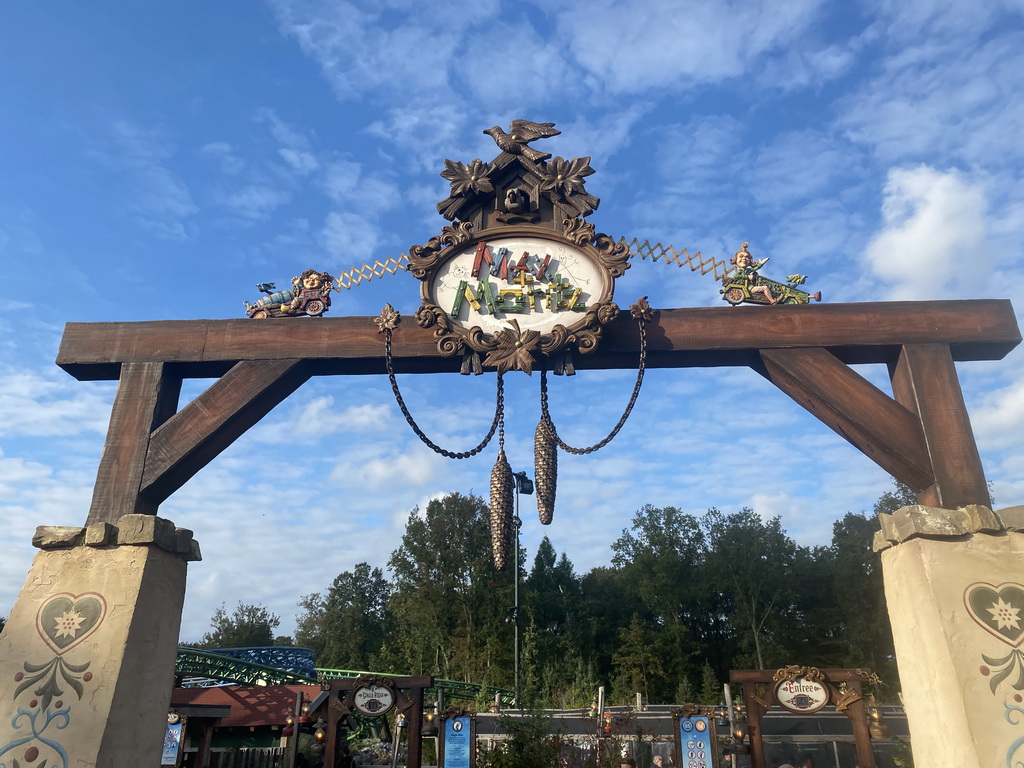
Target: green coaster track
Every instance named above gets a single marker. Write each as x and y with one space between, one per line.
294 666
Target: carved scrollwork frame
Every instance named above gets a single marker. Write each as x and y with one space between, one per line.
793 671
608 257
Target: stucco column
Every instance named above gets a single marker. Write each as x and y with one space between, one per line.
954 584
87 655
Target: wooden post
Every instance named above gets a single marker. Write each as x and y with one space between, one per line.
755 709
924 380
146 396
858 716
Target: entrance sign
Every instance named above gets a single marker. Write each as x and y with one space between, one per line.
801 695
921 433
373 700
540 282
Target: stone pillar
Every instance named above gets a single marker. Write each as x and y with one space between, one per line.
954 584
87 656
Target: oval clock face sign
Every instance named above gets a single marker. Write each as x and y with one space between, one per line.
801 695
540 283
373 700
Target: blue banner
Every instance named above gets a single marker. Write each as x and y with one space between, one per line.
457 744
695 742
172 743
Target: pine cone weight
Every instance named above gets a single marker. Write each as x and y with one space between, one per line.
502 484
545 469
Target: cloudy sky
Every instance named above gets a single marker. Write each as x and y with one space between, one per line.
159 159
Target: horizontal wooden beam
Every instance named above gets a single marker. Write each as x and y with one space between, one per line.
840 675
677 338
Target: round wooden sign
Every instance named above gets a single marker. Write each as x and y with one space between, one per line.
373 700
801 695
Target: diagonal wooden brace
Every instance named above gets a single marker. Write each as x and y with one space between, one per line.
858 411
197 434
151 451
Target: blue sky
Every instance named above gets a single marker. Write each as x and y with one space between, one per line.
159 159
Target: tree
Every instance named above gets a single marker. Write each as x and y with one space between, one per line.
449 603
250 626
636 663
660 558
752 561
345 627
900 496
551 661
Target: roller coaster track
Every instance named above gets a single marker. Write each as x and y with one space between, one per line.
294 666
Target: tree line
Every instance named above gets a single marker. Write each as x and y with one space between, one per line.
684 599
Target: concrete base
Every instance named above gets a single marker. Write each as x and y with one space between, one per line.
87 656
954 584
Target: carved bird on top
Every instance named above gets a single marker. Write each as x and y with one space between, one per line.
522 132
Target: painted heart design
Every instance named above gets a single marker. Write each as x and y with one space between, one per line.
998 610
65 620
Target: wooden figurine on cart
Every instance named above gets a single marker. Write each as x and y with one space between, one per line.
310 295
746 285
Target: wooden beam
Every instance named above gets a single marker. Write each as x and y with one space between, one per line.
924 380
677 338
836 675
853 407
198 433
146 395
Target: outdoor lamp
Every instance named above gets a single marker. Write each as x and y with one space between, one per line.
320 730
878 729
429 724
721 716
290 720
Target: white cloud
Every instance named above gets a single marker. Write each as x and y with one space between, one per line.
633 47
416 469
295 147
319 417
912 19
362 51
802 165
349 237
999 421
35 405
255 202
346 184
960 101
934 226
159 198
300 162
225 155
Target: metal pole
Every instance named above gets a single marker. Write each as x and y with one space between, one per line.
515 597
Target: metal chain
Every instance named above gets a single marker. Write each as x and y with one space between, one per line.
625 414
499 411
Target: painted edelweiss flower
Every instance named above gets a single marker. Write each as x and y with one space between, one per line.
566 176
515 349
467 179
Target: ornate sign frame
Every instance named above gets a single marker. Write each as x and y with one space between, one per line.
462 257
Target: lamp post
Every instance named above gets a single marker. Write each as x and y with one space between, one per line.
291 729
524 485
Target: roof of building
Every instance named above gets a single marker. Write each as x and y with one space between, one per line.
251 705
